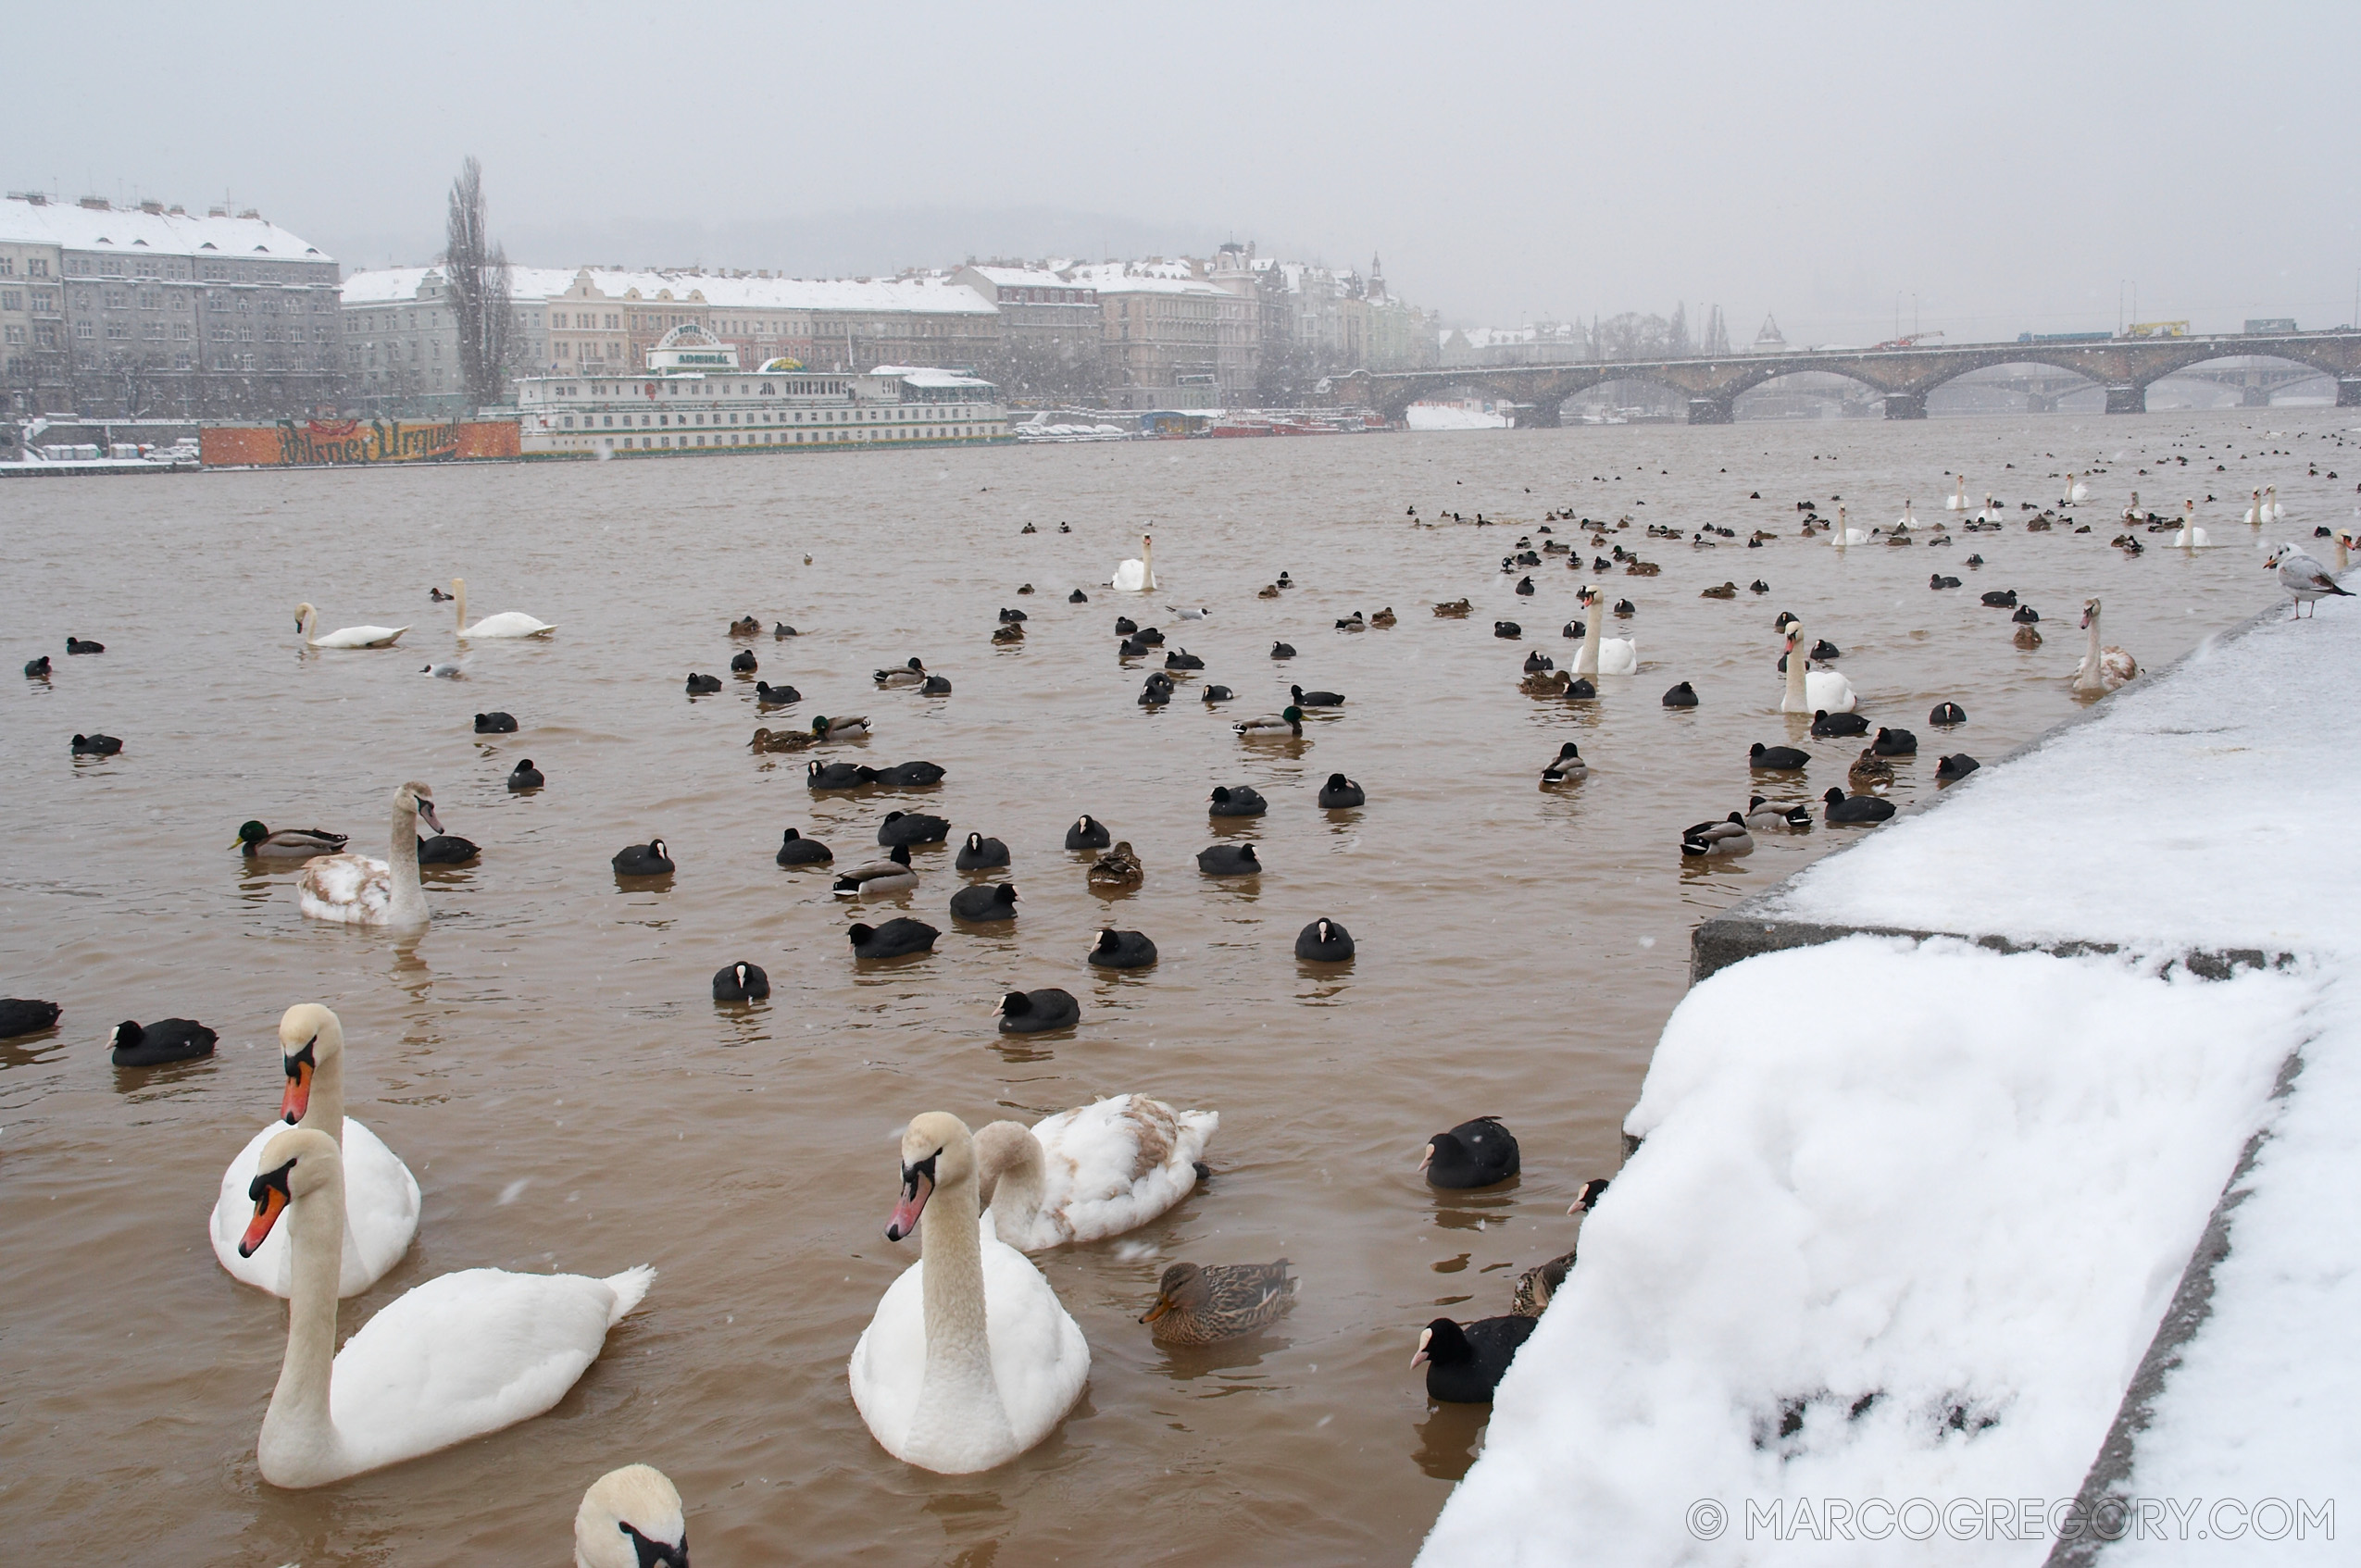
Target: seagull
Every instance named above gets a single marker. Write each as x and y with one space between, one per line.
2304 579
1189 614
447 670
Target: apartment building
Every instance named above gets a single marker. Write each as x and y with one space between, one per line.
400 338
1160 332
152 311
1049 333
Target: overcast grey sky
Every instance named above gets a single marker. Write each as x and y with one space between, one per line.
2011 166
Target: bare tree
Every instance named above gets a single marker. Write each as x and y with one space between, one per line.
477 277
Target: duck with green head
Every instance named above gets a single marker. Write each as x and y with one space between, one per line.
288 844
1290 723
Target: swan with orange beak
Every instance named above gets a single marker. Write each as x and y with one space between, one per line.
380 1196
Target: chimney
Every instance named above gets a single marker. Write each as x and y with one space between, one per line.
216 212
97 203
250 212
152 207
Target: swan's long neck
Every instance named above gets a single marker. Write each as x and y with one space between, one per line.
311 625
959 1386
459 602
1147 561
1592 634
1795 661
2088 678
1843 528
298 1434
1016 1186
410 899
324 1109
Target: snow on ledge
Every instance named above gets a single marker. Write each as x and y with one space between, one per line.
1956 1185
2204 812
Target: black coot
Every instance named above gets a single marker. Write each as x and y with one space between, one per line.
912 827
1948 713
525 775
985 901
1951 769
1341 793
1465 1363
22 1016
979 852
911 775
1229 860
741 982
1323 942
1476 1153
449 849
1030 1012
1123 950
896 938
1088 833
167 1040
1242 801
642 860
495 724
1857 810
796 849
703 685
1826 724
1681 696
1896 743
1788 759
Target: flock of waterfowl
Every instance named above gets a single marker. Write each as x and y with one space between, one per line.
969 1359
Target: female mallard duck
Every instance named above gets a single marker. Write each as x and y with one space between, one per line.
745 626
1538 1284
1551 684
1197 1305
288 844
359 891
1455 609
768 740
1119 867
1290 723
1383 617
827 728
1870 768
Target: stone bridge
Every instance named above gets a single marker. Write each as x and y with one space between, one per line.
2126 366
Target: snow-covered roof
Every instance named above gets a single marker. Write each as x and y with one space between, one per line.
384 285
930 376
133 231
1023 278
886 296
1141 277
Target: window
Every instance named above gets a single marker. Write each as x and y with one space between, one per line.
85 329
36 269
151 299
180 301
16 334
11 298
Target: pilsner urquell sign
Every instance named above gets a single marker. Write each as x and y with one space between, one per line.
312 441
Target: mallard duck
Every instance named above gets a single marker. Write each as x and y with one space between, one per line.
1383 617
768 740
1199 1305
827 728
1721 839
1457 609
1726 590
1290 722
745 626
1008 633
892 875
288 844
1269 590
1538 1284
912 674
1119 867
1770 816
1566 767
1870 768
1553 684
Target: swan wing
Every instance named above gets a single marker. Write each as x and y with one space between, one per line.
462 1355
361 637
889 1362
1039 1357
1830 690
381 1216
1618 655
351 888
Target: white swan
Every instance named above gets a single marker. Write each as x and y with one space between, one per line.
1959 502
1810 691
507 623
2075 491
1846 533
1600 654
380 1196
462 1355
2254 518
1096 1171
1991 511
1137 575
1908 520
307 621
2190 536
2102 669
2272 510
632 1518
360 891
2132 511
971 1359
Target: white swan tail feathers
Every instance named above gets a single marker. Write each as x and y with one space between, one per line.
631 1289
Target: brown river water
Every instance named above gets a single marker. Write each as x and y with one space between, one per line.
546 1058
